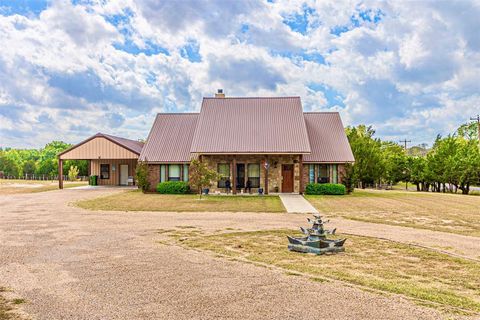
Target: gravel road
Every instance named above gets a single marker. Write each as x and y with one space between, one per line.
69 263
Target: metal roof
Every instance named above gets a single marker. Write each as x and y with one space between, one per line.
131 145
251 125
170 138
328 140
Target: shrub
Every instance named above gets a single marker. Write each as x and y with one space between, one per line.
173 187
325 188
73 173
141 176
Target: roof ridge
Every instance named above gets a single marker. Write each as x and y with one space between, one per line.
316 112
175 113
285 97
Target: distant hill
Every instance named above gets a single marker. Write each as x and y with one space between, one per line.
418 151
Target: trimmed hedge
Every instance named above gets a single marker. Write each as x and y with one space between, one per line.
325 188
173 187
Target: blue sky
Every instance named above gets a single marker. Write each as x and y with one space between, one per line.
71 69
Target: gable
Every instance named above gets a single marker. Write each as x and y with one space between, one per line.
251 125
98 147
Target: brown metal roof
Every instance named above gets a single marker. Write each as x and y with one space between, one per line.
170 138
327 136
251 125
131 145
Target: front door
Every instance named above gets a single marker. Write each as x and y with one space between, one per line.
287 178
240 176
123 174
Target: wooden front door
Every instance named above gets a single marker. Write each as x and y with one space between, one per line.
287 178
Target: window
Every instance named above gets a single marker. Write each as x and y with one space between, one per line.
323 173
104 171
173 172
311 173
253 175
223 170
162 173
185 172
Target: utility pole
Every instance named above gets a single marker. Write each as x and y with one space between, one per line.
477 118
405 141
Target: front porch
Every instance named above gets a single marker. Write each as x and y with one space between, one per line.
249 173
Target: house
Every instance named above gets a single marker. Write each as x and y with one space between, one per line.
267 143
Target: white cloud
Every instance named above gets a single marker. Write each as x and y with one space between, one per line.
409 68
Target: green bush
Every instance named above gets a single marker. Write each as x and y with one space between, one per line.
325 188
173 187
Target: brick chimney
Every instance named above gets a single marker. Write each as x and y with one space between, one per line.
220 94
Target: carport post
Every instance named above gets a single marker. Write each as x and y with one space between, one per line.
60 173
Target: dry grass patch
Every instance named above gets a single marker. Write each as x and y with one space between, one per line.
434 211
6 307
11 186
137 201
429 277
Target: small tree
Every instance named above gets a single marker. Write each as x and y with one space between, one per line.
347 178
201 176
72 173
141 175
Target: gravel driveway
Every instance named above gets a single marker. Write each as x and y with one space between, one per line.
69 263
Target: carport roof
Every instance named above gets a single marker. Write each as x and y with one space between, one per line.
131 145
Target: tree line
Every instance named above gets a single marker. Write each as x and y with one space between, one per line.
38 162
451 165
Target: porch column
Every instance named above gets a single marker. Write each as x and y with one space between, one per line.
89 170
266 175
301 173
60 173
234 175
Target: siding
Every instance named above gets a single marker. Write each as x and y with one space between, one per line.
114 175
98 147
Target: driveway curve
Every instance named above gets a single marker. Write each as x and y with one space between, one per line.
69 263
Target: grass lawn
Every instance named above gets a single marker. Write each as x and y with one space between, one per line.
453 213
428 277
11 186
137 201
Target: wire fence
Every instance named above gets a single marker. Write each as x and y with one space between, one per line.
40 177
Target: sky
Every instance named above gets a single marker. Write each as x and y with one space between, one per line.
68 70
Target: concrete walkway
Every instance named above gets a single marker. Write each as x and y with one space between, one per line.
295 203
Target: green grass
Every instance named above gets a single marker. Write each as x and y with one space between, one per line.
452 213
428 277
137 201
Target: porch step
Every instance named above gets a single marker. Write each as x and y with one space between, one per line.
296 203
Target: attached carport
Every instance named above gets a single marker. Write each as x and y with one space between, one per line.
113 159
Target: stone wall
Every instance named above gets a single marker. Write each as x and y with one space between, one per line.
274 172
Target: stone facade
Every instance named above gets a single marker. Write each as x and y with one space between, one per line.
274 171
